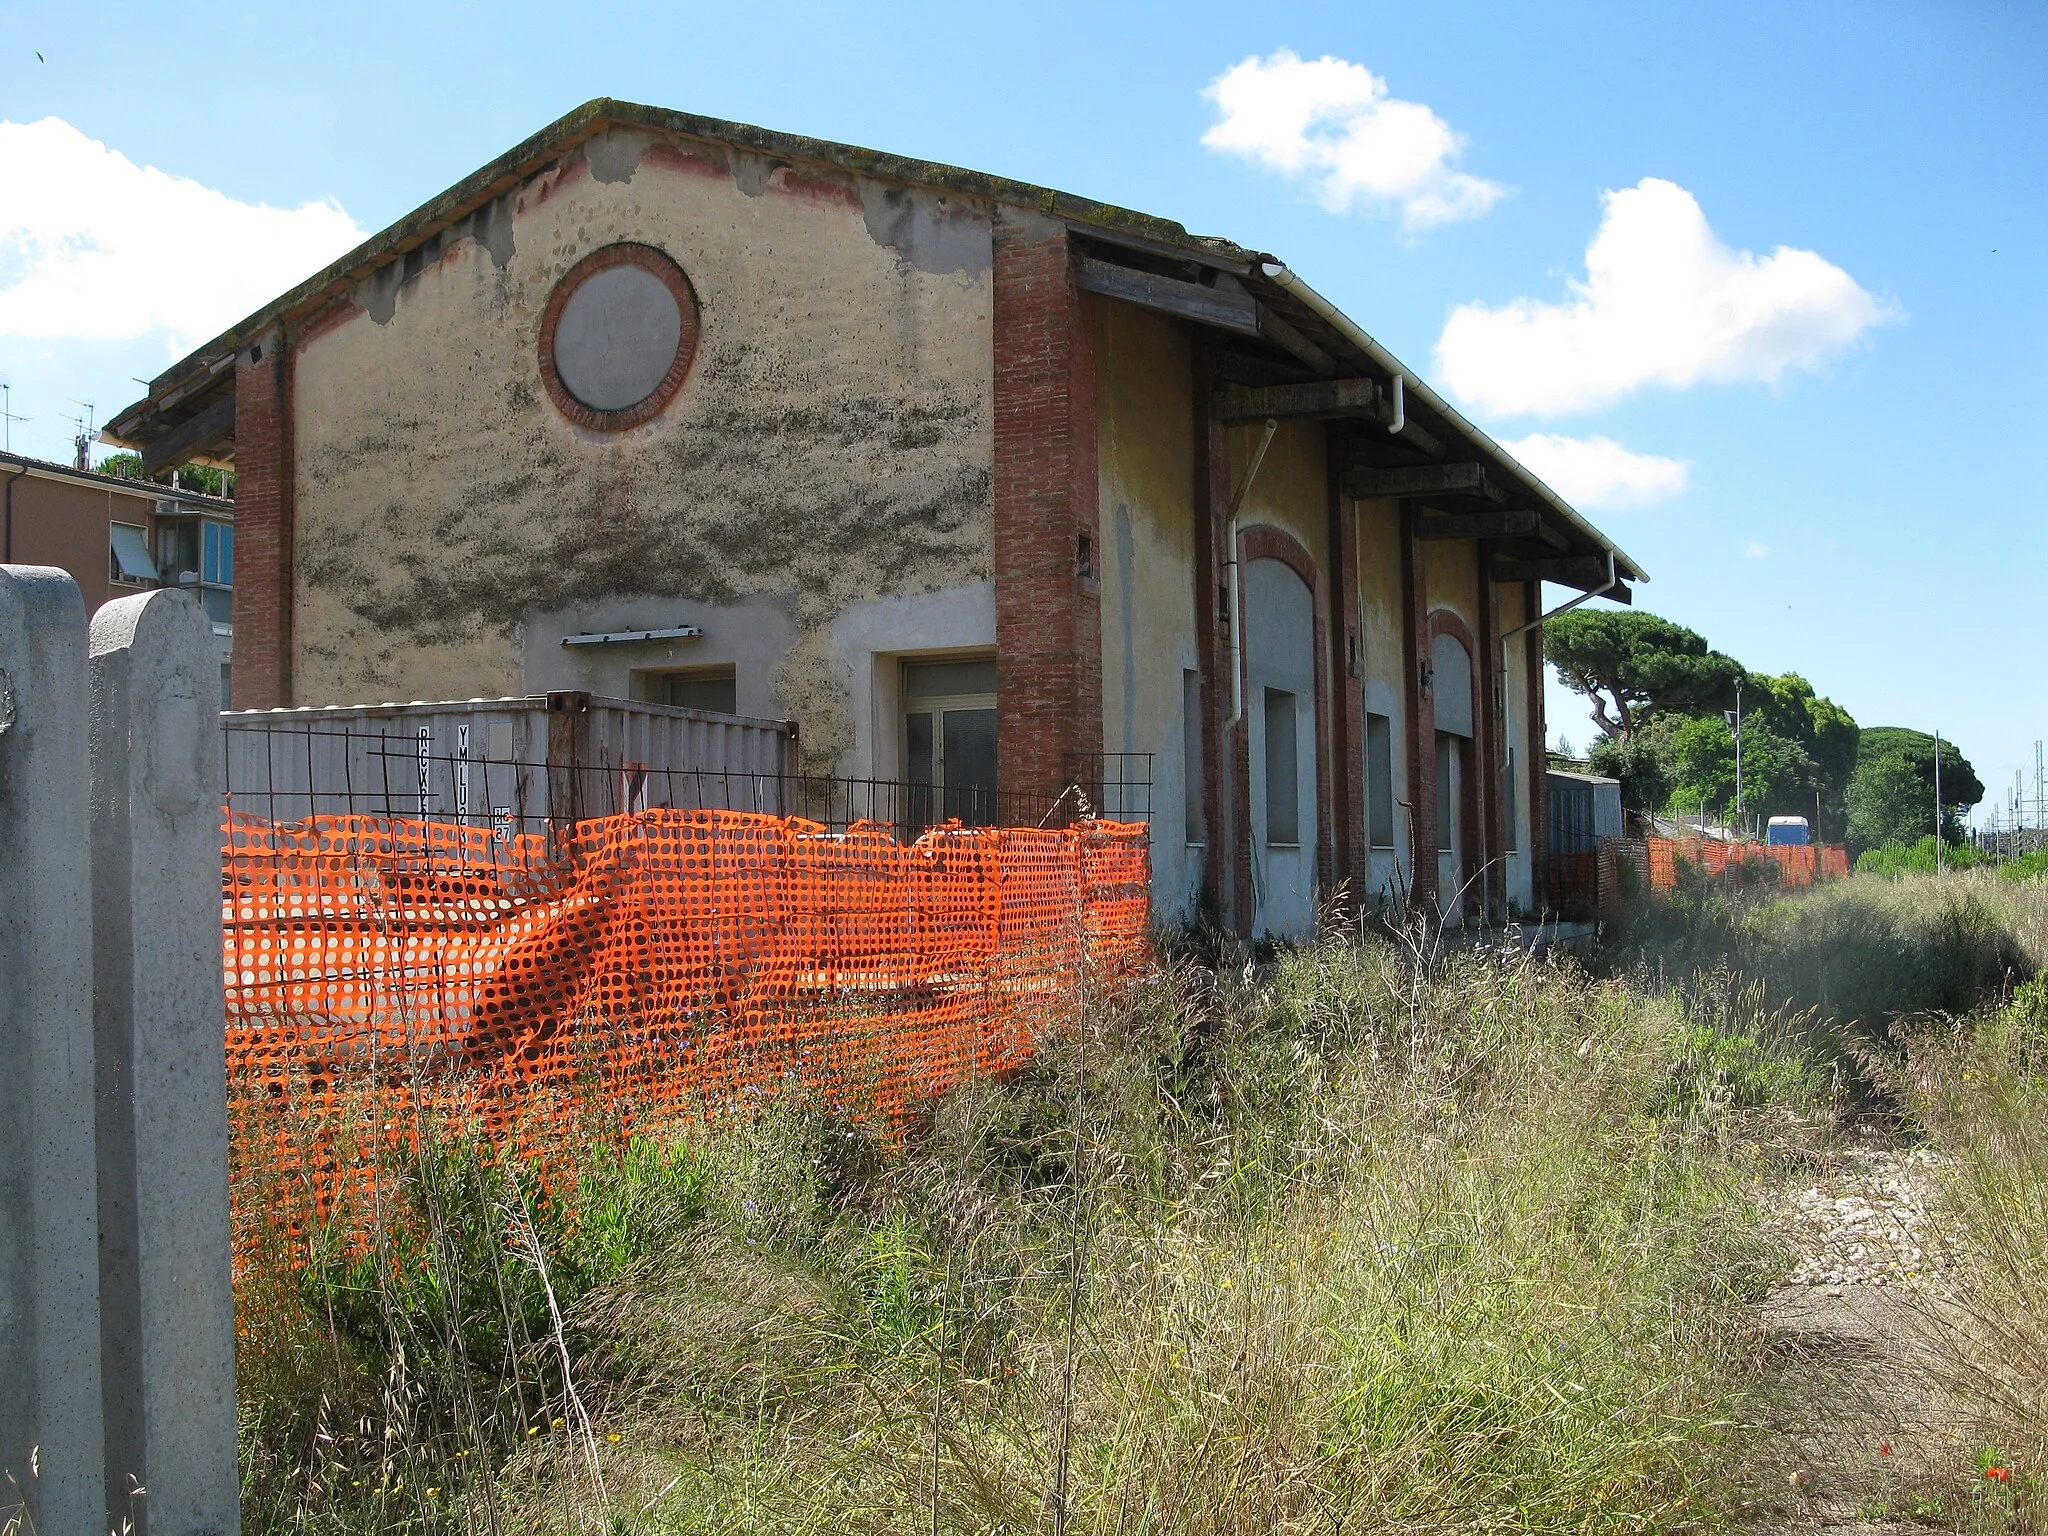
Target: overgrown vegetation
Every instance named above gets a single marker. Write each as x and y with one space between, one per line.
1357 1242
1361 1239
1982 1092
1863 954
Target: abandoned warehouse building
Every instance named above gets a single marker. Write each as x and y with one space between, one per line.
984 486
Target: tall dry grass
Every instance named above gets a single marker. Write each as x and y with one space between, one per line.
1863 954
1980 1090
1362 1240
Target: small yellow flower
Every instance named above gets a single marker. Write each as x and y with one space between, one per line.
1224 1283
613 1438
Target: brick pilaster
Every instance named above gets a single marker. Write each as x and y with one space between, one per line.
1347 706
1488 723
263 525
1048 545
1538 838
1421 712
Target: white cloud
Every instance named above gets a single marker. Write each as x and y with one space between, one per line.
1597 474
1331 124
94 246
1755 551
1663 302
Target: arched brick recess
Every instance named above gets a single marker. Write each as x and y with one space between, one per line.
1263 541
1475 808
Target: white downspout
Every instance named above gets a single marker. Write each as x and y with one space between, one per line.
1237 576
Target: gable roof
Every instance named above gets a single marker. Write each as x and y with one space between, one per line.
205 378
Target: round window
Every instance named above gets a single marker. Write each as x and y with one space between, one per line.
618 337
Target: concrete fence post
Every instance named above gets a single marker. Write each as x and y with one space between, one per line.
167 1323
51 1444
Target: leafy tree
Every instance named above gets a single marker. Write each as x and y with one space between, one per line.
1825 733
1960 786
1777 775
1638 663
192 477
1888 803
1640 762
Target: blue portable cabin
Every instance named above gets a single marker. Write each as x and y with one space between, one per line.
1788 832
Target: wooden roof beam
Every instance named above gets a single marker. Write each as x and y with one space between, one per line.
1323 400
1585 572
191 438
1367 482
1511 523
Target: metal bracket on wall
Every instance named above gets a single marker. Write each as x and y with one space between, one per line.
637 636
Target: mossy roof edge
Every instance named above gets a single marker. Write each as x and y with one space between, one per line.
531 154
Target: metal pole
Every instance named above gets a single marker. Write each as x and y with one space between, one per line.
1740 824
1938 852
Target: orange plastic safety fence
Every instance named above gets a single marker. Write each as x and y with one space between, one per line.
660 963
1793 867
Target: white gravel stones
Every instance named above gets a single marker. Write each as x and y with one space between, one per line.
1864 1221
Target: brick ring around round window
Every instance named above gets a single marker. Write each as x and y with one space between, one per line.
618 337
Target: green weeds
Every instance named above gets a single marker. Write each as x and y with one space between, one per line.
1354 1241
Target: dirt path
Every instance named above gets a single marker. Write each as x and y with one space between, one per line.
1863 1440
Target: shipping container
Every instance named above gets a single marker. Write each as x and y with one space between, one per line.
1584 808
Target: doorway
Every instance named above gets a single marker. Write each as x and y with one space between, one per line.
1457 803
1280 719
949 742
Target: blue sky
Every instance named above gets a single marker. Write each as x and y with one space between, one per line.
1856 500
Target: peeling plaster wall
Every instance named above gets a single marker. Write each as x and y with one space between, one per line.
1289 492
1452 579
1146 466
832 444
1379 595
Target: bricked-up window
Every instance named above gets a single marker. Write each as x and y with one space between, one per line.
618 337
1507 793
1283 771
1193 779
1379 780
713 689
1449 761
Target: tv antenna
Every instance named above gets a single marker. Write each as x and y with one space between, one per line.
83 441
8 418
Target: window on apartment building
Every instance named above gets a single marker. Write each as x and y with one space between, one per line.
1193 779
217 554
1283 770
128 562
177 545
1379 780
949 741
714 690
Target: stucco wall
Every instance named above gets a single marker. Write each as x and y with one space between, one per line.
831 445
1289 492
64 523
1452 573
1146 467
